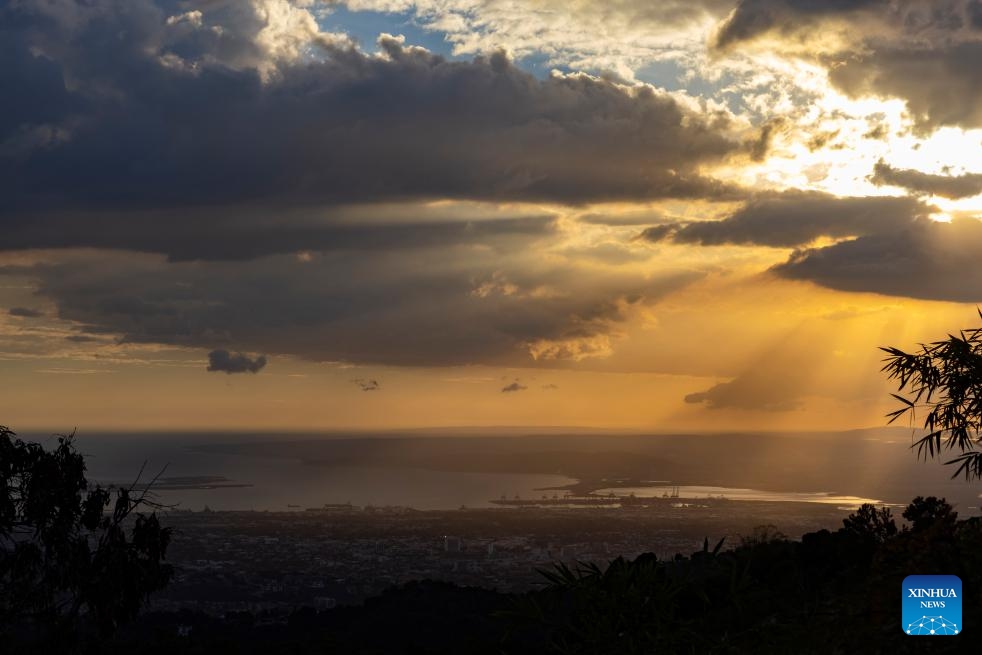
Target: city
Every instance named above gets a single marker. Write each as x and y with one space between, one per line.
341 554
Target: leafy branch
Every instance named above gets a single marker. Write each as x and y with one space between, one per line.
943 379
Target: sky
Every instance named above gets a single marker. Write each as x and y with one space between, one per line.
698 215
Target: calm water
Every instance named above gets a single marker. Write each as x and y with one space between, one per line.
280 482
844 471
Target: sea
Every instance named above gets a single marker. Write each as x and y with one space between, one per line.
195 471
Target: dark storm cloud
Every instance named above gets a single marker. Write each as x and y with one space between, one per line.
25 312
247 233
794 218
223 361
448 306
752 18
942 84
889 245
174 114
926 259
946 186
923 51
179 150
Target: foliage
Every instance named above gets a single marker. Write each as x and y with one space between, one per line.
944 378
762 534
74 557
926 513
871 523
627 607
769 594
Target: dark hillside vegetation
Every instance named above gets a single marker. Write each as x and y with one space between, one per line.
76 560
831 592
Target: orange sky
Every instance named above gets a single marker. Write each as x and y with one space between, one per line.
696 215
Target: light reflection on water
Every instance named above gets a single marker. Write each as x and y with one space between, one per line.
696 492
277 482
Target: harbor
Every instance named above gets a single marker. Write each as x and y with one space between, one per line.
608 500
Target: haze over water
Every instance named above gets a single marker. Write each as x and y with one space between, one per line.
280 472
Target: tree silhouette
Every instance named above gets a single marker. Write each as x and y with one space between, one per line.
871 524
925 513
944 378
74 557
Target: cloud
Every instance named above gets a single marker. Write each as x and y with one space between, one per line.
367 384
925 259
616 36
922 51
342 306
226 362
745 394
154 144
513 387
25 312
794 218
73 371
778 378
754 18
886 245
761 146
80 338
382 188
946 186
247 233
941 83
622 218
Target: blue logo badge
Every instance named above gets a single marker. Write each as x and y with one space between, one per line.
932 605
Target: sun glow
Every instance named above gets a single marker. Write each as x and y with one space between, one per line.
823 140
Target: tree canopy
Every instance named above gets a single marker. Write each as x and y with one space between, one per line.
75 557
944 380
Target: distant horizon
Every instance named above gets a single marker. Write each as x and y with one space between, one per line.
282 467
465 430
